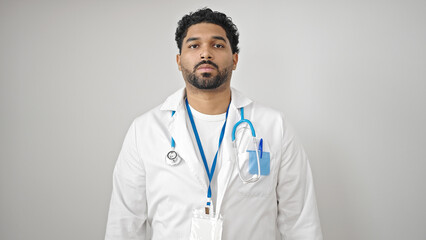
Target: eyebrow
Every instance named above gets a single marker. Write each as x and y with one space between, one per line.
197 38
219 38
192 39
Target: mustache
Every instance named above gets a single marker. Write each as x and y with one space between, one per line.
206 62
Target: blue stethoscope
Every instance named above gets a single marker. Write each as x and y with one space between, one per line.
259 149
173 158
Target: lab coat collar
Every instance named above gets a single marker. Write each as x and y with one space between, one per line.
172 103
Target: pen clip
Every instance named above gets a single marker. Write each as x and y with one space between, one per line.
261 147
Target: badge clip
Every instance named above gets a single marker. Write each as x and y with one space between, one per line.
209 207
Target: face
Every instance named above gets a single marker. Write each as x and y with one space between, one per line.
206 59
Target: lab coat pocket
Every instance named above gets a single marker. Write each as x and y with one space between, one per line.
248 180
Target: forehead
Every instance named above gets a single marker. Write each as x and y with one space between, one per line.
205 30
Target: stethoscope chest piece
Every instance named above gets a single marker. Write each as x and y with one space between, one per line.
172 158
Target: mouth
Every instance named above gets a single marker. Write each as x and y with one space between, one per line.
206 68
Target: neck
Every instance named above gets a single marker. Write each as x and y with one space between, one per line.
211 102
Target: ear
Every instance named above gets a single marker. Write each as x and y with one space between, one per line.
178 61
235 60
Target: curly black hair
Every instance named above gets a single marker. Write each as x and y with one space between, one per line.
206 15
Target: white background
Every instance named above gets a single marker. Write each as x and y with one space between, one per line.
349 75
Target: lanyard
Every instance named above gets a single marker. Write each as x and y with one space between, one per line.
200 147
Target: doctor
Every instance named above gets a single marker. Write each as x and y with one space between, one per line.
180 175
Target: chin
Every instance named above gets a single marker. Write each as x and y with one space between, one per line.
206 75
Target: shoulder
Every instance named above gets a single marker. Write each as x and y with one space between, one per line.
259 108
264 114
253 108
164 110
152 116
270 120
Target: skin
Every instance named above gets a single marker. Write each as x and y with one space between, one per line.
207 41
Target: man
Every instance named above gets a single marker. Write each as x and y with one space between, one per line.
181 174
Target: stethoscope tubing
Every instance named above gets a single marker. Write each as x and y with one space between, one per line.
243 120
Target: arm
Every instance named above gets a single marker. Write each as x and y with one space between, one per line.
128 207
297 208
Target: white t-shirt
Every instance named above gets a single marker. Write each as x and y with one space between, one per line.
209 128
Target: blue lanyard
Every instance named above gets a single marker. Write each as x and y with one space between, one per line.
200 147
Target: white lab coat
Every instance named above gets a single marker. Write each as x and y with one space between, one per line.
149 192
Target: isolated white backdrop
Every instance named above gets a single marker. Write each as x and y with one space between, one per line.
349 75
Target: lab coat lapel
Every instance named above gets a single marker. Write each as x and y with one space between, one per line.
227 157
185 147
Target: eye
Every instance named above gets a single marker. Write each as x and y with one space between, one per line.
217 45
193 46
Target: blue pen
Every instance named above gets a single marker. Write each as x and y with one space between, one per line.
261 147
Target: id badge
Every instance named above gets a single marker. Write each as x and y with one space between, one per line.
205 226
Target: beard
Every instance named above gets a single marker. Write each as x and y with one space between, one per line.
207 81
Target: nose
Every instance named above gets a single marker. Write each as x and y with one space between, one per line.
206 54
